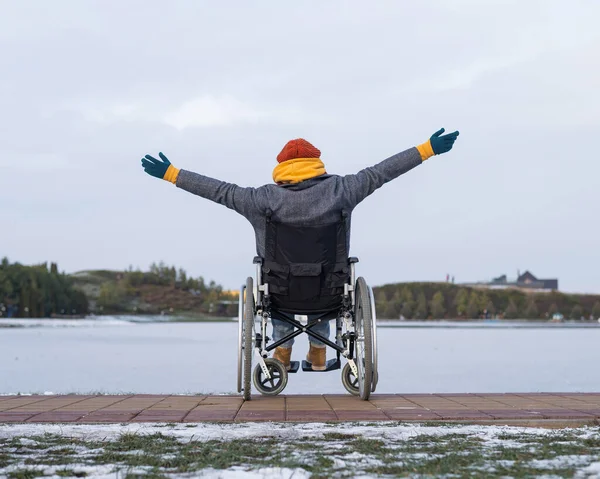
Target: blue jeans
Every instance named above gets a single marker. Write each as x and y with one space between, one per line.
282 329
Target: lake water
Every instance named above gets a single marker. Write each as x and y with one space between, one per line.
126 357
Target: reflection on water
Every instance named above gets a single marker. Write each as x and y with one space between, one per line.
202 358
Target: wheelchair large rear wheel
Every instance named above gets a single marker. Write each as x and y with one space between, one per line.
248 346
374 335
363 321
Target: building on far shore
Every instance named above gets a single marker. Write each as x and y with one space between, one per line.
526 282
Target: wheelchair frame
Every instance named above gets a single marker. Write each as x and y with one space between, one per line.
355 339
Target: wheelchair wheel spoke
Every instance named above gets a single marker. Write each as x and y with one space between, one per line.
270 383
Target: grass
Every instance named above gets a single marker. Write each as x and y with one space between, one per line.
342 453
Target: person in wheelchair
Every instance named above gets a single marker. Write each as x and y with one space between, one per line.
304 206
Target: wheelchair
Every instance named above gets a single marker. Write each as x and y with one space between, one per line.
306 277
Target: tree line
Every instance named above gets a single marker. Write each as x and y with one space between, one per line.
38 291
160 289
42 291
442 300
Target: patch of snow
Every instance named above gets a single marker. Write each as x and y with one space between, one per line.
64 323
209 431
362 459
263 473
590 472
560 461
27 442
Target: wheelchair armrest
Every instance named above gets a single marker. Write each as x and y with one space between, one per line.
257 260
352 260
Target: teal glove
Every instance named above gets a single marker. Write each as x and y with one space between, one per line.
442 144
155 167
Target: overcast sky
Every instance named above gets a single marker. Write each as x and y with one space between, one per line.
89 87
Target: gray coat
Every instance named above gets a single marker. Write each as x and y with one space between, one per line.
316 201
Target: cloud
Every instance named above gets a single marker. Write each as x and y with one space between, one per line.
37 162
209 110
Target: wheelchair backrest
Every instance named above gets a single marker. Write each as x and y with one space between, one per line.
306 267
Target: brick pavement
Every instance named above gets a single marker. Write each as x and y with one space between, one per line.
552 409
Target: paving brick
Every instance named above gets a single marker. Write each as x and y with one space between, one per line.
222 401
349 403
392 402
358 415
134 404
20 401
56 416
264 403
210 415
9 416
53 402
510 414
563 401
215 408
182 403
310 415
485 404
92 404
454 395
302 403
110 417
415 414
461 414
418 395
562 413
260 415
592 412
160 416
262 409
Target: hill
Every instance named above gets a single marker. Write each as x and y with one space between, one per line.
163 289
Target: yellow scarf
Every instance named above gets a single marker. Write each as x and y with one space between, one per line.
298 169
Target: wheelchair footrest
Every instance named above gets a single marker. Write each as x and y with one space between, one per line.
331 365
294 366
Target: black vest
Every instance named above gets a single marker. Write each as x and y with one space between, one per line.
306 267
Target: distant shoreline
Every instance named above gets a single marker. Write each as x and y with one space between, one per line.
130 320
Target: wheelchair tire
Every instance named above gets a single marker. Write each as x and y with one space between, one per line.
278 381
248 330
363 322
375 379
349 380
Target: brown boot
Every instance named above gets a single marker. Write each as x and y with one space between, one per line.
317 357
283 355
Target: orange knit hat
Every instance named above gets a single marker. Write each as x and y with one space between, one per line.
298 148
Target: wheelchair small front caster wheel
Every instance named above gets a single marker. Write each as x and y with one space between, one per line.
276 383
349 380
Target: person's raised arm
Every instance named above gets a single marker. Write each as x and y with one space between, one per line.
360 185
237 198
